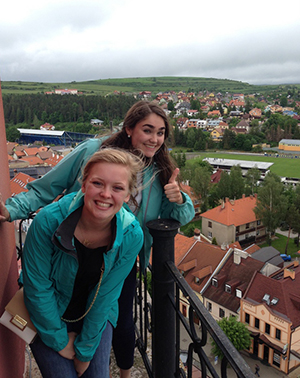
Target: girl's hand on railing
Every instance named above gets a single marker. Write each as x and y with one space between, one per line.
4 214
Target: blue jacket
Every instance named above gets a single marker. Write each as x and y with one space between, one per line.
65 175
50 266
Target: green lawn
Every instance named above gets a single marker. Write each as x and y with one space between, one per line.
284 167
280 242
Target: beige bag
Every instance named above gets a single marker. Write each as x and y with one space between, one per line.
16 318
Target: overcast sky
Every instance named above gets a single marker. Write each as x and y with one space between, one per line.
77 40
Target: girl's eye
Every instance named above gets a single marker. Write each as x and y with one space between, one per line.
119 188
160 133
97 183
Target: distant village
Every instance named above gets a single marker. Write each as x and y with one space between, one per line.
234 276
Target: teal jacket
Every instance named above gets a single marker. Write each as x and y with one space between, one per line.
64 178
50 266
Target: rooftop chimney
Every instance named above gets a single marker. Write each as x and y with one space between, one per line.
197 234
289 273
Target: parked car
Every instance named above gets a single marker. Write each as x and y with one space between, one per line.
285 257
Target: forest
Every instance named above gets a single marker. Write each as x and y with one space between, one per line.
69 113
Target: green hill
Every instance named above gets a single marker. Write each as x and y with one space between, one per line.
138 84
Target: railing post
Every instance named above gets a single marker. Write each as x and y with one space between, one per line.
163 232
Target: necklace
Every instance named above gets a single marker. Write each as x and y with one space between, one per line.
93 240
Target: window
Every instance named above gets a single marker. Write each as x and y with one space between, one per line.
276 359
247 318
214 282
209 224
258 222
208 306
210 235
256 324
221 313
238 293
267 328
247 225
257 232
227 288
238 229
278 334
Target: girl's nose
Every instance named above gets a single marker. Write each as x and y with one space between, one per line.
105 192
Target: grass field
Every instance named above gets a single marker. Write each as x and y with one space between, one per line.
138 84
279 243
284 167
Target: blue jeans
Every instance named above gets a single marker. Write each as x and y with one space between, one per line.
53 365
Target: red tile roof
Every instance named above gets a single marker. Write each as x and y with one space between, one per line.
201 262
235 212
32 151
33 160
19 182
238 273
182 245
283 285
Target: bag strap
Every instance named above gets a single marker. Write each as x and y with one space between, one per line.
91 305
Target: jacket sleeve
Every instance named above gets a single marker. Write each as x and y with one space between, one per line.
64 176
39 293
95 322
183 213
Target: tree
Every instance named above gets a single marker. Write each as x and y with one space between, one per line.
200 183
236 332
271 204
237 184
252 178
190 140
224 187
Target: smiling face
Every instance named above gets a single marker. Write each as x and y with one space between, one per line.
106 189
148 135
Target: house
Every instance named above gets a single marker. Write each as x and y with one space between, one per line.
289 145
216 176
18 183
271 310
192 112
228 284
96 122
66 91
214 113
196 202
268 255
217 134
243 124
238 131
197 267
233 220
47 126
255 113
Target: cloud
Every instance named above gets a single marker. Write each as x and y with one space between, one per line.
64 40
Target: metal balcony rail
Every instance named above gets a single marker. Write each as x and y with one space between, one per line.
158 320
161 318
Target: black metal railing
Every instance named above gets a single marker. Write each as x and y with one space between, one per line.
159 321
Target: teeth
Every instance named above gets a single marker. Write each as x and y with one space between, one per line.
102 204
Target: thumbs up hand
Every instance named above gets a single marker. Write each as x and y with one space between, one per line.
172 190
4 214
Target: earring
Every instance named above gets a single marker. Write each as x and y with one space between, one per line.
128 135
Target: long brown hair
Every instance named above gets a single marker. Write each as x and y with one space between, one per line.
139 111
